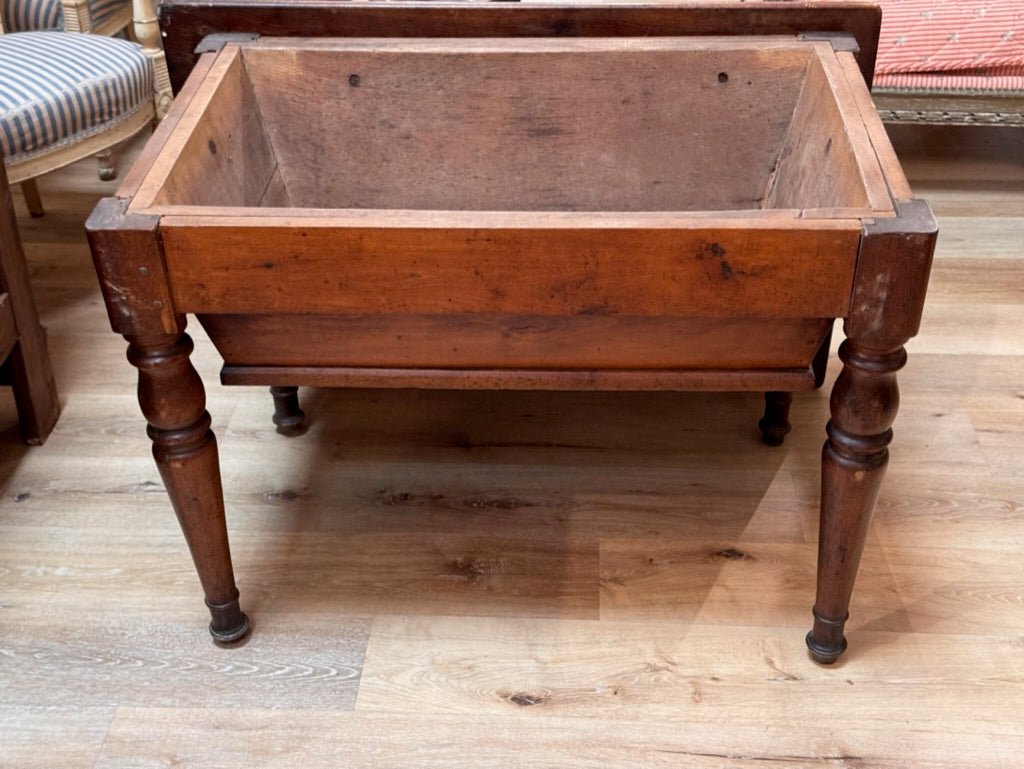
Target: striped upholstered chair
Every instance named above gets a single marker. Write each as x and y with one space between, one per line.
66 95
99 17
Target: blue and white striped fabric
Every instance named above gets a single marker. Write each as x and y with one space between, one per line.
58 88
39 15
101 10
24 15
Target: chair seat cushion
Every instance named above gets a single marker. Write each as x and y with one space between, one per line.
950 36
58 88
39 15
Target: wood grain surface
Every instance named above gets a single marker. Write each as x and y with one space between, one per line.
509 579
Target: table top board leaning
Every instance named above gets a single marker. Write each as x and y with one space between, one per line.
520 196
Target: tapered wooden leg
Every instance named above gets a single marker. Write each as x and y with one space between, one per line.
864 404
174 402
34 203
287 415
105 165
775 424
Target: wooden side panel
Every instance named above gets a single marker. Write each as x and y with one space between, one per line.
895 179
709 380
186 22
226 158
132 181
611 125
509 341
817 167
720 268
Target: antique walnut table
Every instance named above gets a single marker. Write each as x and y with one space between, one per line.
523 196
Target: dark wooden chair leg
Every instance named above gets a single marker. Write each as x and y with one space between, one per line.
288 417
775 424
173 400
23 353
864 404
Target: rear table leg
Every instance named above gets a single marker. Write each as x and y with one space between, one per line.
775 424
288 416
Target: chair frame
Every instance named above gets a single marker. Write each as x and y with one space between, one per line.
141 20
22 339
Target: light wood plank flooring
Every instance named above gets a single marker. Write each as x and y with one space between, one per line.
527 580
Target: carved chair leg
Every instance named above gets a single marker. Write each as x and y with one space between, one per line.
287 415
864 403
173 400
34 203
106 168
775 424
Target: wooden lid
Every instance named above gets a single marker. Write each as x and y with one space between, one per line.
186 22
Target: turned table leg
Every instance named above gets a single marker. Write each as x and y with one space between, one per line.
864 404
287 415
885 311
173 400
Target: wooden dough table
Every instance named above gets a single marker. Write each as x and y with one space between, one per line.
680 196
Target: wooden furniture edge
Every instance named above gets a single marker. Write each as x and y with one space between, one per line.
523 379
899 187
35 389
162 151
847 92
136 291
186 22
131 182
895 254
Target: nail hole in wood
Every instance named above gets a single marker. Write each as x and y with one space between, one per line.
723 77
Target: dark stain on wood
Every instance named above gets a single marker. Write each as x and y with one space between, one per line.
471 569
497 503
526 699
732 554
393 499
281 496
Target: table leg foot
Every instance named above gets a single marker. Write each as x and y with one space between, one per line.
775 424
288 416
228 623
826 641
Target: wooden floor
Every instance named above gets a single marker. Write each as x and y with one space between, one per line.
527 580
